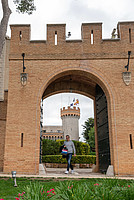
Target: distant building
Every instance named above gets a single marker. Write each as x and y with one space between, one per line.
52 132
70 125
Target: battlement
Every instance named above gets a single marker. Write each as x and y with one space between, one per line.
91 45
70 111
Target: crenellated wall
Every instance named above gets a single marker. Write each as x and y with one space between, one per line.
72 49
91 61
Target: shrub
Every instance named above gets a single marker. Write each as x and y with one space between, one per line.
51 147
93 153
79 159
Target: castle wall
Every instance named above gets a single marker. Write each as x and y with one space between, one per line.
4 77
4 68
103 62
3 113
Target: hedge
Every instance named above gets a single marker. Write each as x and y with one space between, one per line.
79 159
51 147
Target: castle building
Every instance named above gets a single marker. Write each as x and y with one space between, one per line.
101 69
52 132
70 125
70 122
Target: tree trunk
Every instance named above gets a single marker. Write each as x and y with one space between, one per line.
4 23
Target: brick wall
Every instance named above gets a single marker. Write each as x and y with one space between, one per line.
99 63
4 68
3 113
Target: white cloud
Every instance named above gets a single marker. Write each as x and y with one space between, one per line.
73 13
53 104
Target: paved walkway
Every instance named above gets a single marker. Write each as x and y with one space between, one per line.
78 173
60 173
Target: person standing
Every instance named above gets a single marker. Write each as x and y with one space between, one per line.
71 149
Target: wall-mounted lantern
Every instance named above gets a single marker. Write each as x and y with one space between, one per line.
23 79
127 75
23 76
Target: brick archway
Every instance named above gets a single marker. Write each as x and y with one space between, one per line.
88 65
83 82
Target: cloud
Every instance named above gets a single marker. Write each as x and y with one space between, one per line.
73 13
82 12
53 104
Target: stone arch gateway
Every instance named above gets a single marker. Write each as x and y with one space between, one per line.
95 69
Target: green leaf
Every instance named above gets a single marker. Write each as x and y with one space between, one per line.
25 6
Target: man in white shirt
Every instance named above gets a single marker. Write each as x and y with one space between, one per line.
71 149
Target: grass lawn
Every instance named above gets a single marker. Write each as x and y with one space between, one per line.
71 189
8 191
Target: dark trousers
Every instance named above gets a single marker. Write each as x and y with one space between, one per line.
69 165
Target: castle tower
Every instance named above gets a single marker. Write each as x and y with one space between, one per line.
70 122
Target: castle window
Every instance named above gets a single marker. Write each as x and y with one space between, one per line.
131 142
92 37
130 39
56 38
20 35
22 139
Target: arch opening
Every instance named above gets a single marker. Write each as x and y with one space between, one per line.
87 84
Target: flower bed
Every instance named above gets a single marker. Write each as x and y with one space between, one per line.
84 189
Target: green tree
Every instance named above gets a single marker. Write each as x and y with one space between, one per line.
91 140
89 132
89 123
22 6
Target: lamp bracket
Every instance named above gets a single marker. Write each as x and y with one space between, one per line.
127 66
23 55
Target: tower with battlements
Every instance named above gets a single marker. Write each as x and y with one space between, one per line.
70 122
